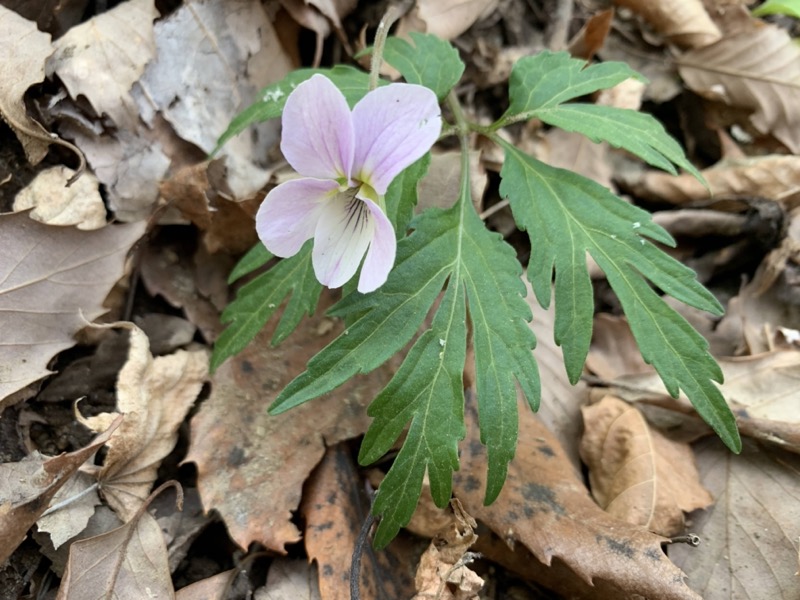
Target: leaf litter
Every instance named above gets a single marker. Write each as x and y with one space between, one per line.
130 82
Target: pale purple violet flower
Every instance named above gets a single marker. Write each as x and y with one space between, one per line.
347 161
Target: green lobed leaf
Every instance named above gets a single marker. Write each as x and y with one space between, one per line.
255 258
353 83
566 216
258 300
790 8
430 61
402 196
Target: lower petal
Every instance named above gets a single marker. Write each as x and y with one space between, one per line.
344 231
381 253
288 216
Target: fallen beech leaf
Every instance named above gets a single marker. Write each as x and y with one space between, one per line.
774 176
22 60
748 537
334 509
443 571
636 474
52 280
54 203
758 70
251 466
446 19
685 23
545 507
28 487
290 579
102 58
155 394
127 563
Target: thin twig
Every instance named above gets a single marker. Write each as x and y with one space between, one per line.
358 552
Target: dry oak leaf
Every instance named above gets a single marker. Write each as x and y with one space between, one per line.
52 280
127 563
545 507
54 203
251 466
774 176
758 70
154 394
636 474
28 486
22 58
334 508
684 23
749 536
102 58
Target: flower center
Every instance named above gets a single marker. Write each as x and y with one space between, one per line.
357 212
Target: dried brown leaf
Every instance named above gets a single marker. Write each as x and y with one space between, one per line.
80 501
54 203
290 579
251 466
22 58
211 588
52 280
127 563
757 70
545 507
684 23
155 394
29 486
637 474
102 58
446 19
749 535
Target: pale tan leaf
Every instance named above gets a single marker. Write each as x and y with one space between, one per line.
446 19
80 498
684 23
211 588
155 394
776 177
27 488
54 203
758 70
22 58
290 579
637 474
251 466
575 546
52 281
127 563
748 537
102 58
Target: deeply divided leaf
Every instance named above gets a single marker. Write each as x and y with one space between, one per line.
259 299
566 216
430 61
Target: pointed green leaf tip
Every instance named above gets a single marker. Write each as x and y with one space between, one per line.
566 216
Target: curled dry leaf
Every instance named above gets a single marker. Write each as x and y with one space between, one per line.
52 281
54 203
684 23
545 507
756 69
155 394
749 536
27 488
775 177
127 563
637 474
446 19
251 466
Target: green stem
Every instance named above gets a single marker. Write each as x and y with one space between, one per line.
462 130
387 21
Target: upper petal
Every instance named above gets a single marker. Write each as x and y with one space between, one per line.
318 138
394 126
344 230
288 215
381 253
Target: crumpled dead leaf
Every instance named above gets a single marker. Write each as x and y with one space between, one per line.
29 486
443 572
251 466
54 203
155 394
684 23
749 536
757 69
637 474
52 281
22 59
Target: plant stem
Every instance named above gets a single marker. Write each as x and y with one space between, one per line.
387 21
